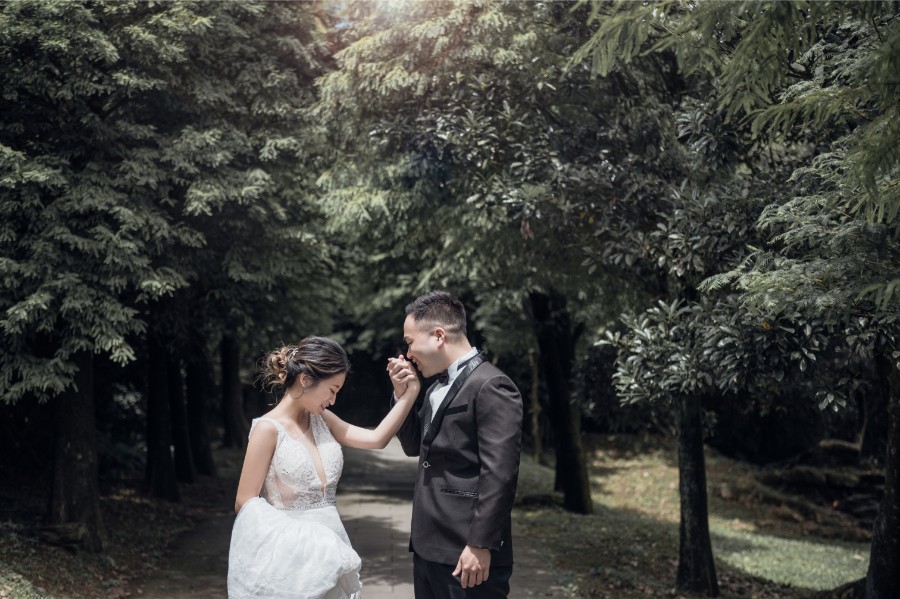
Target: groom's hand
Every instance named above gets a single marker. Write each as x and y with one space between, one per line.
473 566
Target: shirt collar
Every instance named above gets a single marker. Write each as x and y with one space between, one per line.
453 369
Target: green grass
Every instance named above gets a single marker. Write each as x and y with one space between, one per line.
628 549
805 564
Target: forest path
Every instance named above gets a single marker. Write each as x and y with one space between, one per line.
375 503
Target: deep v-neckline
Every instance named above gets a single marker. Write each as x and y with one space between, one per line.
315 456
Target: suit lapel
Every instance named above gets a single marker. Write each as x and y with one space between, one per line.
457 384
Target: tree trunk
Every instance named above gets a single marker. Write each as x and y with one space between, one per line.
198 393
873 434
535 404
185 470
883 577
160 474
556 345
236 427
696 568
74 493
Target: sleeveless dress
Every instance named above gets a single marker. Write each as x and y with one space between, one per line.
289 542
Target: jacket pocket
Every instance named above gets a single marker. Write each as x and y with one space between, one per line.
456 409
460 492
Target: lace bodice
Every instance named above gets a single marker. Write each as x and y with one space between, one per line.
292 482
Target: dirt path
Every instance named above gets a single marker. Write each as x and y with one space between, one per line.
374 500
196 567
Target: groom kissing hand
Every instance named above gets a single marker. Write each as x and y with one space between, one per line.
466 432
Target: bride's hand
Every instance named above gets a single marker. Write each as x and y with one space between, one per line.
412 383
403 377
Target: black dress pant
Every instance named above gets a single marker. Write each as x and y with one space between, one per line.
435 581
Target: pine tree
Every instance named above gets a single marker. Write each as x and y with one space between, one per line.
813 85
156 169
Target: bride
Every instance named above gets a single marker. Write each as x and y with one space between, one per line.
288 540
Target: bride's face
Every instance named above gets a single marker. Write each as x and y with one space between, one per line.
319 395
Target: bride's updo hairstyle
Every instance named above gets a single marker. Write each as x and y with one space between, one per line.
317 357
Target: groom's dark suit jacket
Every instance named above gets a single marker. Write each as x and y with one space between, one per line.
468 468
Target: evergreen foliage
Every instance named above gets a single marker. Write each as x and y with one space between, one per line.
477 158
152 151
820 76
723 175
813 85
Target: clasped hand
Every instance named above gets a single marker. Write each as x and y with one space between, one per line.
403 377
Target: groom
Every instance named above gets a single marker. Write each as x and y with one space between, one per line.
466 431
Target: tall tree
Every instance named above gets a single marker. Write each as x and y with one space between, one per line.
689 354
816 80
233 153
833 250
490 156
148 149
664 356
72 244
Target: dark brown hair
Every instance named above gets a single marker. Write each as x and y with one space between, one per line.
439 308
317 357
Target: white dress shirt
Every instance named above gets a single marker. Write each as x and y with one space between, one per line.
440 392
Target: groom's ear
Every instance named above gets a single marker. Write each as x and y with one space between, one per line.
441 334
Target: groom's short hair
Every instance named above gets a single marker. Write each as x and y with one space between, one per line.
439 308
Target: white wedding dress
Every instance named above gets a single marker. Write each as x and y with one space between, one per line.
289 542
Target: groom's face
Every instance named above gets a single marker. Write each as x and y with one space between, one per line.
422 347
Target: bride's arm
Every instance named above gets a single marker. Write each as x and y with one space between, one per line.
356 436
260 449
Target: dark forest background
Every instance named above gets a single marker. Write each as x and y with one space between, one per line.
668 217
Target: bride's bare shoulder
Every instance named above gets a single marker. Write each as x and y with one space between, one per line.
266 425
